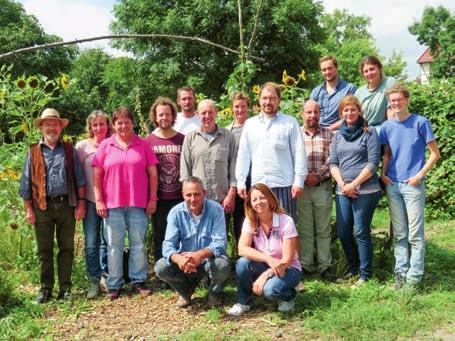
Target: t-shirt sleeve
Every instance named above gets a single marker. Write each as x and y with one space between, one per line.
247 226
100 155
383 138
289 230
425 130
150 154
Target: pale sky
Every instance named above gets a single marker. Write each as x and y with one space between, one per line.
71 19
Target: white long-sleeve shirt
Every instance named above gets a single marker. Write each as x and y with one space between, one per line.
275 150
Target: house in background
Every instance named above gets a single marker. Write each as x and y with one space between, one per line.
425 61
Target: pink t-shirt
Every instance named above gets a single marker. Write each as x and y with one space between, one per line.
283 227
125 182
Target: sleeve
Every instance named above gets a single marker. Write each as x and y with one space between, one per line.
288 227
100 155
383 138
152 160
351 89
373 150
333 151
80 149
314 94
232 161
246 227
171 243
25 186
185 159
79 173
425 131
324 171
243 162
218 241
300 158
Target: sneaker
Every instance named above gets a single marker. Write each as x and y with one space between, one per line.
185 300
44 296
399 282
286 306
328 275
141 289
345 278
214 300
238 309
103 284
359 283
94 289
64 295
113 294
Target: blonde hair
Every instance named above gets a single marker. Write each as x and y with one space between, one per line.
92 117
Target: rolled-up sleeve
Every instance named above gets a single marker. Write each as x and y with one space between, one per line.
171 243
25 187
218 236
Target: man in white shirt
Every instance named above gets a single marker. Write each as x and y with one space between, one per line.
272 144
188 119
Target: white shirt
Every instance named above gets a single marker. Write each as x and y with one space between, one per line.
186 125
276 151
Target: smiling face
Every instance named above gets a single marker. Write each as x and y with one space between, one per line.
351 114
311 115
240 109
329 70
194 196
371 73
398 103
123 127
51 129
164 116
269 101
207 114
259 202
99 128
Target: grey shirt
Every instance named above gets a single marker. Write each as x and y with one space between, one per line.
352 157
211 161
56 175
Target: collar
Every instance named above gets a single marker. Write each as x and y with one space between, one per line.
218 131
324 85
308 133
41 143
261 116
185 208
134 141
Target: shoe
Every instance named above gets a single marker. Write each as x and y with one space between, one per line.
214 300
113 294
164 285
103 284
64 295
305 273
185 300
44 296
328 275
399 282
141 289
94 289
286 306
345 278
238 309
359 283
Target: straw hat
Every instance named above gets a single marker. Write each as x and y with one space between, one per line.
50 113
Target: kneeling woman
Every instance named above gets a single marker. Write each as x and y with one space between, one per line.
269 263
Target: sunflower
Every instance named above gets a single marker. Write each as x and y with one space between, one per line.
256 89
33 83
285 75
21 84
290 81
64 82
302 75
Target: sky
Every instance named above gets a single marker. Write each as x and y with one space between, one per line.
76 19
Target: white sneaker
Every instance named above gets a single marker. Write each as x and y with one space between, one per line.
286 306
238 309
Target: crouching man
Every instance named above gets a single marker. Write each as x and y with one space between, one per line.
195 245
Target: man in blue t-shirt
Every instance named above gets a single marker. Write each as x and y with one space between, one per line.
405 139
330 92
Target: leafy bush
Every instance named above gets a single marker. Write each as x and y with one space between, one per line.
437 103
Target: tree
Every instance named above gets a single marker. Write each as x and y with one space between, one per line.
22 30
437 30
286 32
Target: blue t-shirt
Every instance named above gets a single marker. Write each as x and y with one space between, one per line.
407 141
329 103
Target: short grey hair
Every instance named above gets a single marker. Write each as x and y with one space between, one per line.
193 180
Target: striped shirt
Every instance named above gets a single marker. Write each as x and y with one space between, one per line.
317 147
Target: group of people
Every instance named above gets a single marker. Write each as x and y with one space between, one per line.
266 173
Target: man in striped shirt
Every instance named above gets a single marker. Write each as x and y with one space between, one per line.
315 206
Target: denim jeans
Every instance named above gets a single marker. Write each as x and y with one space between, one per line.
92 232
118 221
216 269
103 252
275 289
406 206
354 217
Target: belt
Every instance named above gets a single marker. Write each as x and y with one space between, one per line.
57 198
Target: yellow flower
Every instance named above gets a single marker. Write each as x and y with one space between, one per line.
302 75
24 127
290 81
21 84
64 82
256 89
285 75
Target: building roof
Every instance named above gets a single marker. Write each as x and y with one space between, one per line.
425 57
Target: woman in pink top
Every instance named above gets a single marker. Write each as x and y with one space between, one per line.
125 181
269 264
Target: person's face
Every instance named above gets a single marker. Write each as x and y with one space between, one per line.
328 70
207 114
51 129
259 202
398 103
123 127
311 115
194 196
240 109
164 116
350 114
99 127
269 101
371 73
186 100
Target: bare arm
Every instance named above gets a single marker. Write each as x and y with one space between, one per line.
385 164
153 187
98 175
29 212
435 155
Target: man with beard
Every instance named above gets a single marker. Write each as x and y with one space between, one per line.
315 205
330 92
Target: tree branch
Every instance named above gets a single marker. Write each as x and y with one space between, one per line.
120 36
256 20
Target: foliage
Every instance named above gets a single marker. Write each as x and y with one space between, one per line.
348 39
437 103
436 29
22 30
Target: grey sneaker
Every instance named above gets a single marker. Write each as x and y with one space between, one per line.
94 289
359 283
286 306
399 282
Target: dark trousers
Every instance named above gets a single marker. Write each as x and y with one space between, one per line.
238 216
284 195
58 219
159 221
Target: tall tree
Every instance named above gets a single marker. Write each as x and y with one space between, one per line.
285 33
436 30
22 30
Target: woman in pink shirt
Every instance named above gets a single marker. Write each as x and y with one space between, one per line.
269 264
125 182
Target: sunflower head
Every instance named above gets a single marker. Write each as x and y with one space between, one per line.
21 84
33 83
290 81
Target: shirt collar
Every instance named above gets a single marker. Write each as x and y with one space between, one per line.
262 116
308 133
41 143
134 141
218 131
204 205
275 219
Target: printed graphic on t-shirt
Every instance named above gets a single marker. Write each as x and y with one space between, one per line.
169 173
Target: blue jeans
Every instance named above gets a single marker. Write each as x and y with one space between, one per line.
216 269
406 206
354 217
118 221
92 231
275 289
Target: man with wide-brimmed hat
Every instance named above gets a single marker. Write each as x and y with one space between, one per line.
53 188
